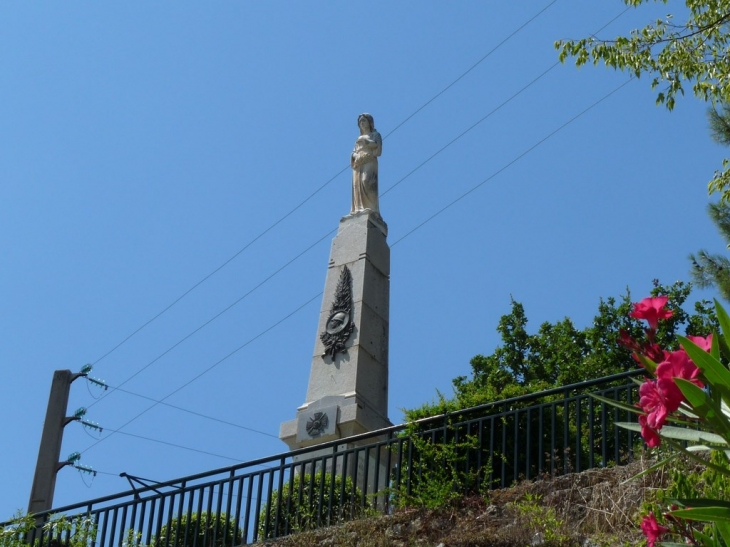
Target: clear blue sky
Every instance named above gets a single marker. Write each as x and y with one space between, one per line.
144 144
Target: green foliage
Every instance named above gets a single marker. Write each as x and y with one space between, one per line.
713 270
560 353
69 532
308 501
672 53
14 534
719 124
439 474
542 519
686 482
698 505
202 530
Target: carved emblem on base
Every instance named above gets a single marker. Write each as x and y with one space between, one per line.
339 325
317 424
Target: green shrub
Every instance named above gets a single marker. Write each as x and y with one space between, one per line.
78 531
439 472
308 501
200 530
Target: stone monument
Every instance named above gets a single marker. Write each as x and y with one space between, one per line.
348 381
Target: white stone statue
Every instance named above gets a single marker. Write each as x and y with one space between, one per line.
364 163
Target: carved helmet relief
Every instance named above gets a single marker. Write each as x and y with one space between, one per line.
339 324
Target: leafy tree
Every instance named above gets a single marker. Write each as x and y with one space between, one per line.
561 354
713 270
672 53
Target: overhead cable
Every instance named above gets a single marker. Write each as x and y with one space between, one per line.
211 367
308 198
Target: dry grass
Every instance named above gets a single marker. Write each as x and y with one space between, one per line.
594 508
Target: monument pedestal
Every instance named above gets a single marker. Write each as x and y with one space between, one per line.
348 381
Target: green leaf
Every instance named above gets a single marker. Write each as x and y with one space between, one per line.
724 320
704 406
648 364
711 514
654 467
724 529
706 540
681 434
715 349
618 404
713 371
677 446
694 503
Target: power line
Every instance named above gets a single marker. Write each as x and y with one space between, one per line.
118 431
424 105
419 166
329 233
213 418
219 268
239 348
416 228
216 316
432 156
230 306
515 160
159 441
308 198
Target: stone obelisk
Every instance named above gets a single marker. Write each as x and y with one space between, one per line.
348 382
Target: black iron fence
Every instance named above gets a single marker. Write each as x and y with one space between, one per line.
491 446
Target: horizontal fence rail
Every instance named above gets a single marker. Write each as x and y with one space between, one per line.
553 432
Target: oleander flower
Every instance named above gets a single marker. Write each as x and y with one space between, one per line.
704 342
677 365
653 401
650 436
648 349
652 309
652 529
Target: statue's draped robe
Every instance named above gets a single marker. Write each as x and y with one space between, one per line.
364 161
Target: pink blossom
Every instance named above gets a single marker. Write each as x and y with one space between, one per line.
677 365
652 529
650 436
654 402
652 309
647 349
704 342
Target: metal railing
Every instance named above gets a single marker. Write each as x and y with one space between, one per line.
494 445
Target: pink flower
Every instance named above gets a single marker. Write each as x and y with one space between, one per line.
652 309
650 436
654 402
647 349
677 365
652 529
704 342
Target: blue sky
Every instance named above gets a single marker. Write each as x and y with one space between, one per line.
145 144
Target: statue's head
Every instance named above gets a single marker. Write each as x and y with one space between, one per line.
365 123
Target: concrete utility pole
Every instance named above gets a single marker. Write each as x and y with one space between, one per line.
49 453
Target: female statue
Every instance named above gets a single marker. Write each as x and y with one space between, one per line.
364 163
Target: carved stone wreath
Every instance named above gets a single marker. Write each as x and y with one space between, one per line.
339 325
317 424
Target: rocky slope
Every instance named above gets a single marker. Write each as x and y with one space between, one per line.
595 508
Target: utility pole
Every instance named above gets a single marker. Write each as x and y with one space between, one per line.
49 453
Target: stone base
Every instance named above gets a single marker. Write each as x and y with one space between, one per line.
331 418
373 216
